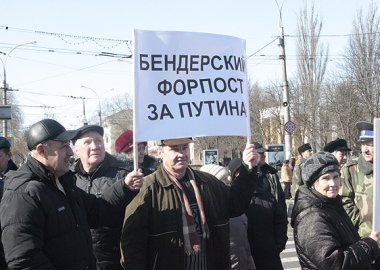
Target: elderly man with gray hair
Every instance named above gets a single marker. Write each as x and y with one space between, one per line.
45 218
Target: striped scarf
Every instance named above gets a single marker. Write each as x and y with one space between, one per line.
192 243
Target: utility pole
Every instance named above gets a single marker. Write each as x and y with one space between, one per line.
85 123
5 87
100 107
5 125
285 89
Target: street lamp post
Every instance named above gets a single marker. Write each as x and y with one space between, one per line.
285 88
100 108
5 87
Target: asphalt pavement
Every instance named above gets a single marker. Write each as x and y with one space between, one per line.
289 257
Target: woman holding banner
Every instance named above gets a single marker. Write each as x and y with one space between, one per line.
324 235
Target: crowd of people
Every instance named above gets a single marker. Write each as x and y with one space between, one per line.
100 212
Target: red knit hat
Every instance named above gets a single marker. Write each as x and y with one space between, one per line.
124 143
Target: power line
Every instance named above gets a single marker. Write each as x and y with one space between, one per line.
54 95
73 71
262 48
62 36
36 106
68 51
337 35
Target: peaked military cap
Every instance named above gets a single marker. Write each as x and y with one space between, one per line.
365 131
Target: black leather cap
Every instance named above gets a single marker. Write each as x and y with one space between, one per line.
87 128
46 130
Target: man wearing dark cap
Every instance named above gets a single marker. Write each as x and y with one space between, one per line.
97 171
305 152
268 178
179 219
45 219
339 149
357 182
267 222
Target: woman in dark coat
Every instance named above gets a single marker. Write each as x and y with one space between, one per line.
324 235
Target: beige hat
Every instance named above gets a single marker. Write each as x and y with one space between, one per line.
218 171
171 142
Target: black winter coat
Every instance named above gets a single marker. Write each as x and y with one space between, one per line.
11 167
325 237
269 181
148 166
44 228
106 240
267 230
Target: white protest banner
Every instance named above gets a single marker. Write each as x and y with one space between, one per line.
376 175
188 85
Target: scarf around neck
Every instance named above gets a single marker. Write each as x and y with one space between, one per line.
192 243
365 166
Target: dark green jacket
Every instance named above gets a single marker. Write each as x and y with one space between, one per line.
152 236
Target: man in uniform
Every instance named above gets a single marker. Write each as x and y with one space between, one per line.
357 182
305 152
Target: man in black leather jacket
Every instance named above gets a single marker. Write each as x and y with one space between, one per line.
96 172
45 218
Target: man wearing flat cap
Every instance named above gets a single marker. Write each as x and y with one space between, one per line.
305 152
357 182
339 149
179 219
45 219
96 172
268 178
